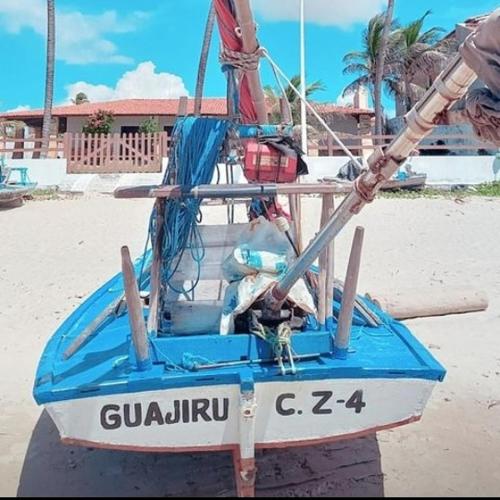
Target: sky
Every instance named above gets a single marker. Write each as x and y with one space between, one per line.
118 49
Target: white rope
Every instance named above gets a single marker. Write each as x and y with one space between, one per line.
283 92
312 110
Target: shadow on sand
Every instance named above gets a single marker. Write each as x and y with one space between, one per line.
10 205
349 468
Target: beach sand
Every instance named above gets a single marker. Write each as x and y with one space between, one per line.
55 253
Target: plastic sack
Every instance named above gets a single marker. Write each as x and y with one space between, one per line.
262 255
261 248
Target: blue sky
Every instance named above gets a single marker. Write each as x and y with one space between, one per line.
123 48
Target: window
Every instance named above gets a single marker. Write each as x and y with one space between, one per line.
130 130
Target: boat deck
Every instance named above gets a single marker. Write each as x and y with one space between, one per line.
106 363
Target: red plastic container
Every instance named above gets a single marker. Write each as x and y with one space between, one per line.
267 164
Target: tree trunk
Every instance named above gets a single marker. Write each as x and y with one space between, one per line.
407 97
379 74
204 60
49 78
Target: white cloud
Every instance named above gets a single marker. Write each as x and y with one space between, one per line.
339 13
81 38
23 107
144 82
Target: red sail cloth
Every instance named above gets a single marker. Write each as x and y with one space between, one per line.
227 28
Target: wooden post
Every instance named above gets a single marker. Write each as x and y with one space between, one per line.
83 152
108 154
135 312
343 335
116 152
297 219
154 301
329 139
18 153
286 116
329 210
183 106
323 266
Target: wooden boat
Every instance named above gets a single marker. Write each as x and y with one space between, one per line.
12 190
413 182
290 357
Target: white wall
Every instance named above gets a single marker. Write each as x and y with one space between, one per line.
47 173
76 123
440 170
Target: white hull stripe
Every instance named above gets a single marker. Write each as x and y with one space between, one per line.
208 418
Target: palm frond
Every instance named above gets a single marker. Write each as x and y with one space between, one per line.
362 81
353 69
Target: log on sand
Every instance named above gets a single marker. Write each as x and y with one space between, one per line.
432 301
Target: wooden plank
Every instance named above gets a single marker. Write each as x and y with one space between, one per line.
164 153
107 156
330 262
101 155
323 266
174 192
93 151
66 152
156 269
93 327
143 150
81 163
137 153
116 152
196 318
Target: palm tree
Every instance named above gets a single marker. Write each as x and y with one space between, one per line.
49 78
364 63
380 67
273 97
80 98
418 58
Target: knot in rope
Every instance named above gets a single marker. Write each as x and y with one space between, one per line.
280 340
241 60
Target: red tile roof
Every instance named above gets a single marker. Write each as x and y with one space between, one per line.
156 107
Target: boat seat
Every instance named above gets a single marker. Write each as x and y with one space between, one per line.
23 173
218 242
5 175
203 315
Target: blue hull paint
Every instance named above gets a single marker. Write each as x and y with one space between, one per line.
106 364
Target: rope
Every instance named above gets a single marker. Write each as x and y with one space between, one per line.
197 143
311 109
280 340
241 60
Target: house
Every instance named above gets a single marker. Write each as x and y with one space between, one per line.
130 113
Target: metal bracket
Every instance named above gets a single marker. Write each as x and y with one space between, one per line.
244 455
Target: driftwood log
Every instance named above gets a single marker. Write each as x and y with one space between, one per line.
428 302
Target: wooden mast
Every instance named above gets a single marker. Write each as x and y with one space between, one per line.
250 45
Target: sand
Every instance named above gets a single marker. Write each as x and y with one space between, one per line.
54 253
